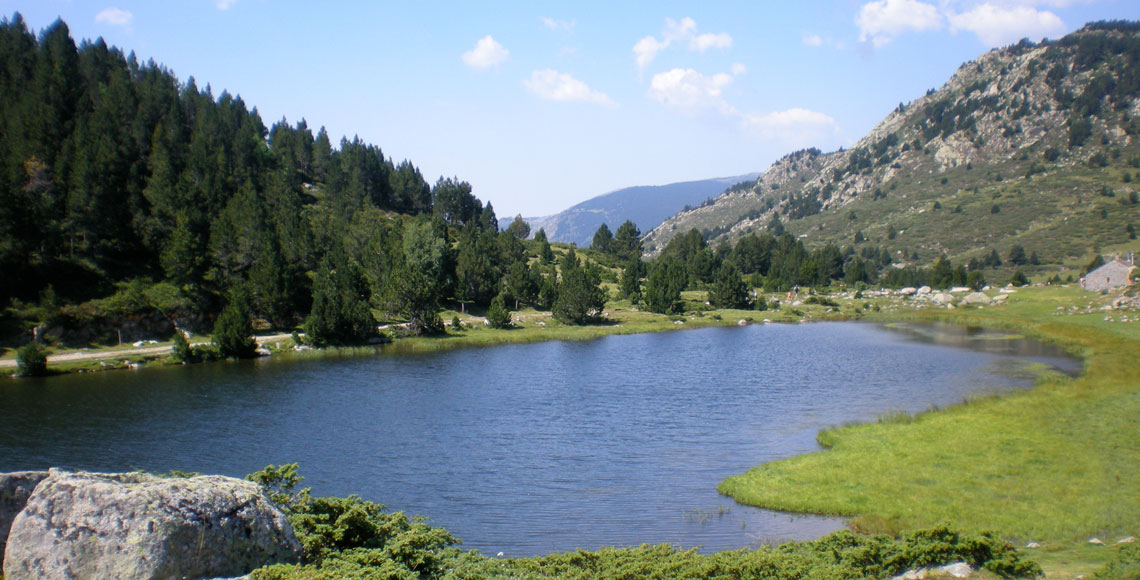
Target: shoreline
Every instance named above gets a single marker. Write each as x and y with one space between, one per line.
1038 465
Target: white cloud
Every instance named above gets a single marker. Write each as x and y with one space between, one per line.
999 26
555 24
487 53
552 85
647 48
738 69
813 40
687 89
881 21
114 17
706 41
679 30
225 4
795 126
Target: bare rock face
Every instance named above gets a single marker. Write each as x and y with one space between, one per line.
136 526
15 489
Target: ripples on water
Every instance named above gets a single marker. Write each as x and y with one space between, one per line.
525 449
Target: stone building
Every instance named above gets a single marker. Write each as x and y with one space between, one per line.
1114 274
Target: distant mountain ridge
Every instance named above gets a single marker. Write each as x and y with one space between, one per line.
1032 145
646 205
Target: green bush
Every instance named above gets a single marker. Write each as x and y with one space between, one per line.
31 360
182 351
497 314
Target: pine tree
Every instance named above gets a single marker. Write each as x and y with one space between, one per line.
497 314
627 241
233 330
663 286
630 285
580 299
603 240
728 290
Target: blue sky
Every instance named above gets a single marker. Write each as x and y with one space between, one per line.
541 105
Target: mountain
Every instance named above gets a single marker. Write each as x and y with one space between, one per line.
1031 146
645 205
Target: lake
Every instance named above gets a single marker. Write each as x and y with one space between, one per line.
525 449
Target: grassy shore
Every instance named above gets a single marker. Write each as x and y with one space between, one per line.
1057 464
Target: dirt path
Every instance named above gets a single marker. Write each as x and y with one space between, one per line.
107 354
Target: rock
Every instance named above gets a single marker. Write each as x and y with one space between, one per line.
1096 541
957 570
1001 298
1127 540
976 298
959 290
1008 290
742 322
135 526
908 291
15 488
262 351
923 290
1032 545
941 298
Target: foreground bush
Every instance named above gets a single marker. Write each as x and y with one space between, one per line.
31 360
349 538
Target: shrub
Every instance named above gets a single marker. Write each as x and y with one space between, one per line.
1018 278
497 314
182 350
31 360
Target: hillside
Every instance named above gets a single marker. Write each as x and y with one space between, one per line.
1032 145
646 205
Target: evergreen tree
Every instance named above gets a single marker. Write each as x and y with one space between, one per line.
1017 256
976 280
519 228
233 330
497 314
630 284
603 240
521 284
340 312
1018 278
627 241
941 273
664 284
728 290
580 299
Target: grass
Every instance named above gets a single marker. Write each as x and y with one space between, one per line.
1056 464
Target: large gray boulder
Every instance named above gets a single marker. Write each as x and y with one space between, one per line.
138 526
977 298
15 488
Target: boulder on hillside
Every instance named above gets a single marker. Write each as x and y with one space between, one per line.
135 526
15 489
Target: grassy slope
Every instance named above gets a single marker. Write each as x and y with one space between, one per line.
1056 464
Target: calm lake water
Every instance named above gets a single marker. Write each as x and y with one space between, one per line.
524 449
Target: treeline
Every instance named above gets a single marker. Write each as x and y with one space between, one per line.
777 263
122 187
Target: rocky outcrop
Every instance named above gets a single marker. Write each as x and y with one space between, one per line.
15 488
139 526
